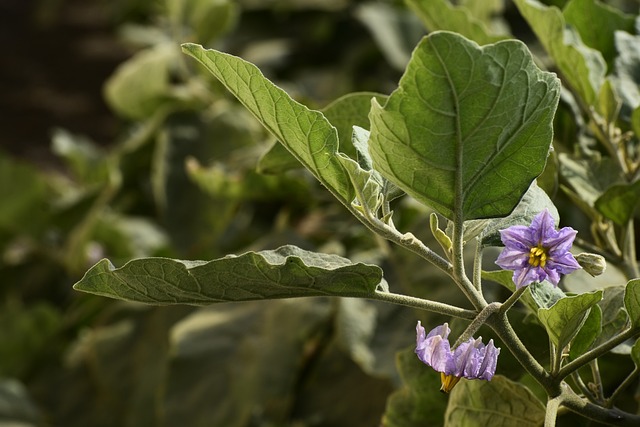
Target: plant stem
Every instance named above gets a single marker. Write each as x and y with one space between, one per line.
459 273
423 304
583 407
553 404
477 266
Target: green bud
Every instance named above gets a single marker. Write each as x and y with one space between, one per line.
592 263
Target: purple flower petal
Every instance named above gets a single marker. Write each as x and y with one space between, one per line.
490 360
538 252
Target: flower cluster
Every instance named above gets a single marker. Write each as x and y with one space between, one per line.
538 252
471 359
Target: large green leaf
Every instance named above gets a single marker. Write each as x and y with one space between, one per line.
467 125
582 68
286 272
499 402
442 15
306 133
626 79
588 333
564 319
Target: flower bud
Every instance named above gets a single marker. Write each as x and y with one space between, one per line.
592 263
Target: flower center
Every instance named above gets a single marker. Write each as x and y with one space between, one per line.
538 256
448 382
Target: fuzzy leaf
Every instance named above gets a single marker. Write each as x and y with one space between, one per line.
466 122
632 301
286 272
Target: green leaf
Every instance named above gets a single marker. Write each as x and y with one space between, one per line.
209 19
348 111
545 294
141 84
419 402
564 319
467 123
582 67
343 113
442 15
82 156
286 272
499 402
582 14
614 316
588 333
619 202
533 202
608 102
632 301
306 133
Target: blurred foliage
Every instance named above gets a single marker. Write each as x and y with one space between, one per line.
181 182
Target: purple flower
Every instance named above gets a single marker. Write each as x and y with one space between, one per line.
471 359
538 252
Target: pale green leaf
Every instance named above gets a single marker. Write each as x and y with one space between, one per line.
589 178
442 15
466 122
608 102
625 78
582 68
614 316
286 272
632 301
306 133
564 319
584 14
141 84
499 402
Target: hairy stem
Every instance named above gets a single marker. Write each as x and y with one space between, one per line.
423 304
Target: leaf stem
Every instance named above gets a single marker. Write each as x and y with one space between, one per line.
423 304
596 352
477 266
583 407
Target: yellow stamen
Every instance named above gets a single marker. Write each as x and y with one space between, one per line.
448 382
538 256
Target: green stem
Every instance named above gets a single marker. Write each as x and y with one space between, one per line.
477 322
596 352
422 304
477 266
597 380
553 404
513 298
459 273
502 327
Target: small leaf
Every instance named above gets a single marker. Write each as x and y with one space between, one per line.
588 333
306 133
632 301
582 67
467 123
619 202
491 403
564 319
589 178
442 15
286 272
608 102
614 316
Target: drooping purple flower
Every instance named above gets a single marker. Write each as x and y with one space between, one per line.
538 252
471 359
